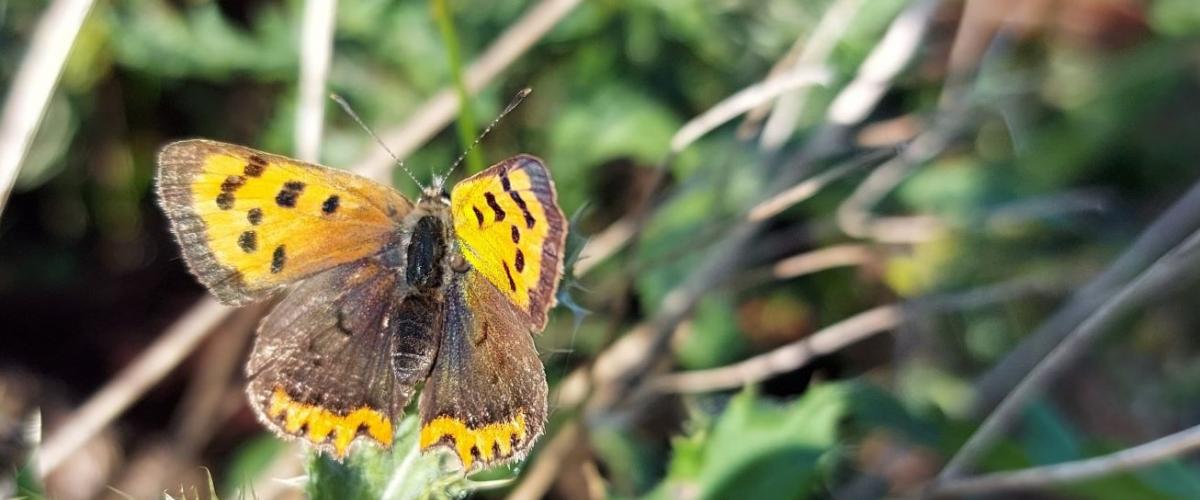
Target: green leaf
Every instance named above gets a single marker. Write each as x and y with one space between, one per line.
758 448
1175 17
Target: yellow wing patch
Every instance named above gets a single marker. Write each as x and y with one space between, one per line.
511 230
249 221
326 427
490 442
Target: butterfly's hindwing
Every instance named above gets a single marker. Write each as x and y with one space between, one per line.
323 366
485 399
248 221
510 229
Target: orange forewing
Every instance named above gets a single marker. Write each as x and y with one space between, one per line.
250 221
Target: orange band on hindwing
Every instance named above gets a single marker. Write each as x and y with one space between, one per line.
324 425
491 442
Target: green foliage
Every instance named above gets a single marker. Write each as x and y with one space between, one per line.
201 42
759 449
466 116
1176 17
252 459
715 339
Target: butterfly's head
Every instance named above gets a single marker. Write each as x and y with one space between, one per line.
436 191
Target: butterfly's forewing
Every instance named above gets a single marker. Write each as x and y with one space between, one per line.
511 231
249 221
322 367
485 399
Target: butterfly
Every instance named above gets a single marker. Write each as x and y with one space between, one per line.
385 294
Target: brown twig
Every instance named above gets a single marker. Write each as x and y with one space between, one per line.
33 84
316 49
883 64
1172 226
854 215
787 111
745 100
805 189
820 260
155 362
1175 269
1143 455
836 337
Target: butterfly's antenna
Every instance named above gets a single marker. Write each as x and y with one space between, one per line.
400 163
516 101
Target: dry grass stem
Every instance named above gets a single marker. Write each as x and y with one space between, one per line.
127 386
743 101
1167 230
33 84
1048 476
788 108
604 245
316 49
883 64
822 259
836 337
1175 269
545 470
854 215
805 189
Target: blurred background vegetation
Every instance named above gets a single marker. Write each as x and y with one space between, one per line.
981 165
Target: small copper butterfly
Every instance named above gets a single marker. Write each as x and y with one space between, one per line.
385 294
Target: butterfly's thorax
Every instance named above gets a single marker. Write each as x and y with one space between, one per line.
424 245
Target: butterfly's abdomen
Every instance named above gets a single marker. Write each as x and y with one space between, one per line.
426 250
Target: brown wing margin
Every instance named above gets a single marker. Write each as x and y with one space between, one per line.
485 399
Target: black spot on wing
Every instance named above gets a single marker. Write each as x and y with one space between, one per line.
512 285
520 262
225 201
248 241
254 216
278 259
232 183
491 201
516 234
529 220
289 194
256 166
478 215
330 205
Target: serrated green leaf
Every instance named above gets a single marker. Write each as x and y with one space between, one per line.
758 448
